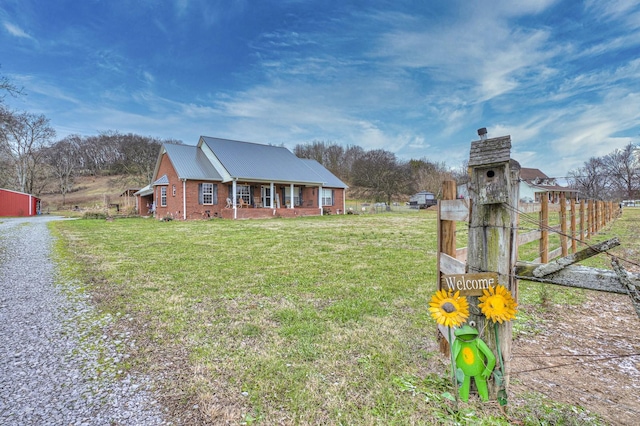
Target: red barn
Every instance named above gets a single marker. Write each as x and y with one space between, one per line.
14 203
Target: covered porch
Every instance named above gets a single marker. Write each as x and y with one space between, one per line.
261 200
268 213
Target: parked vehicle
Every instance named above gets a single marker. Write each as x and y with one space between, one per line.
422 200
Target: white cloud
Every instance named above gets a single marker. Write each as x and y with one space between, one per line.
16 31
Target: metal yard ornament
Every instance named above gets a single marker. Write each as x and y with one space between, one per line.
498 305
474 358
450 310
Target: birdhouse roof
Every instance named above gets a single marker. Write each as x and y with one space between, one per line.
490 151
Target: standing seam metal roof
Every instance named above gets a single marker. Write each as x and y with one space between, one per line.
328 178
246 160
191 163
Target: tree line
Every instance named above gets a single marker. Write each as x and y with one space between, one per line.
34 162
378 174
612 177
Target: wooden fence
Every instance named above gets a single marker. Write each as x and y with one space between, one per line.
576 221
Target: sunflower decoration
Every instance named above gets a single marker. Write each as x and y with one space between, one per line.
497 304
450 310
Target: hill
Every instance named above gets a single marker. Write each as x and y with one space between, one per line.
90 192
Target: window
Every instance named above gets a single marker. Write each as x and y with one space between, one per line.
163 196
244 192
296 195
327 197
207 193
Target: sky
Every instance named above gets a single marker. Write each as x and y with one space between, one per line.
417 78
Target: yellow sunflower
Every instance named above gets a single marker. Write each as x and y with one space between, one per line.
497 304
449 309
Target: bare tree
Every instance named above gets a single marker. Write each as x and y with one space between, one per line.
427 175
592 180
139 155
7 87
623 168
336 158
63 159
22 137
380 172
461 174
314 151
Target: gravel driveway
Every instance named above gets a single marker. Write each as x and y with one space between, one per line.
59 365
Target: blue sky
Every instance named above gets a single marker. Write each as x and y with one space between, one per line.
417 78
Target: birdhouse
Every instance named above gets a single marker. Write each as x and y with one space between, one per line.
489 169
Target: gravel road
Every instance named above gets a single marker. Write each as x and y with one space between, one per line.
59 362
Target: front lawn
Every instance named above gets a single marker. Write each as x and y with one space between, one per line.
316 320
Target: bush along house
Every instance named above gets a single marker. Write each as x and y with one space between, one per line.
238 180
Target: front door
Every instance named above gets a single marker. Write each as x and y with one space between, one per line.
265 193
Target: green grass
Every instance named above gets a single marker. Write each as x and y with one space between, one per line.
317 320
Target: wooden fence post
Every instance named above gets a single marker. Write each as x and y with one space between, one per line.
591 216
446 245
544 229
574 243
493 234
447 228
582 221
563 224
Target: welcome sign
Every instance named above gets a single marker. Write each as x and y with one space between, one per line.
470 284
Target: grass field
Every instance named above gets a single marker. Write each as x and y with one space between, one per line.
317 320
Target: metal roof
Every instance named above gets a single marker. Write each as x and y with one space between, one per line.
257 162
162 180
329 179
147 190
191 163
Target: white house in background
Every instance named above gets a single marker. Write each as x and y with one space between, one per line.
534 185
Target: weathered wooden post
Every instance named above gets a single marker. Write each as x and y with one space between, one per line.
582 221
544 229
493 234
446 244
563 224
592 215
574 242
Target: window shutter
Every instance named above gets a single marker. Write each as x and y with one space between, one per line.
200 196
333 197
251 189
215 194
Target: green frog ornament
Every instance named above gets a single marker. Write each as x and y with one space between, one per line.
474 358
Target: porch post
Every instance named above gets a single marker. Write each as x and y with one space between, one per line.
291 195
235 206
271 189
344 201
320 199
184 199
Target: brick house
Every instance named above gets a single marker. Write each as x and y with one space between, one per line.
236 180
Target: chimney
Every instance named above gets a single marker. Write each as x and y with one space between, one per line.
482 132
